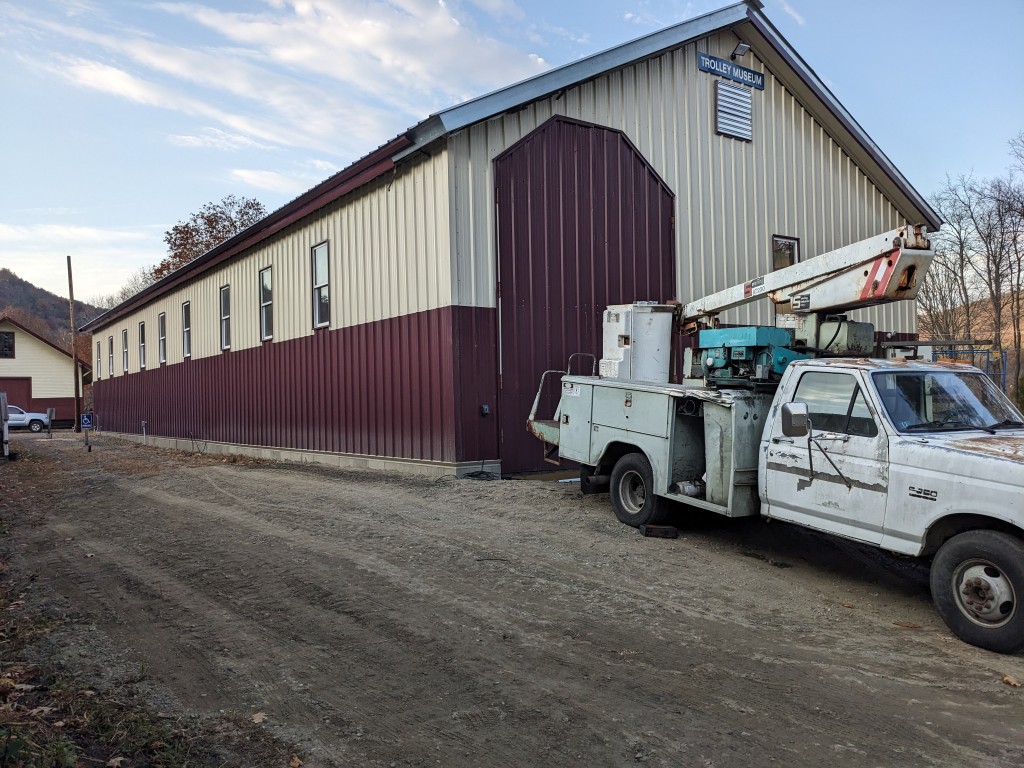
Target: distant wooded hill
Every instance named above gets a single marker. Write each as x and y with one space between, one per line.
50 310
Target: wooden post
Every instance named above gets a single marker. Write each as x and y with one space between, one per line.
74 350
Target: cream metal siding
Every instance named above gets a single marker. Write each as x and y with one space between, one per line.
388 252
49 369
792 179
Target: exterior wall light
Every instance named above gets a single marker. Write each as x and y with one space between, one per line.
741 49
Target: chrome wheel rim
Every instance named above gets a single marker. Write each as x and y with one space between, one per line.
632 492
984 594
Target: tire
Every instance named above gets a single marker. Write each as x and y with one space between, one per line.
35 426
632 490
977 582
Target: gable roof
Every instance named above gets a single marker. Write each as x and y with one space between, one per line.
744 18
47 342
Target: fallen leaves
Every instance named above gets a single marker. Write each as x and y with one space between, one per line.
295 762
1011 681
115 762
259 717
907 624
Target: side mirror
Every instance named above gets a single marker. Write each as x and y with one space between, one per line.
795 420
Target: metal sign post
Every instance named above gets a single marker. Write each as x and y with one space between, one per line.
51 415
86 421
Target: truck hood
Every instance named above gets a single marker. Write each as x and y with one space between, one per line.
1004 445
998 457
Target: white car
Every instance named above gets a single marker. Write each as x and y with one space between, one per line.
18 417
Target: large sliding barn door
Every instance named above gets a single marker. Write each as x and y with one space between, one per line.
583 221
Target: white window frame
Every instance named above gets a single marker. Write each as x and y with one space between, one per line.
110 353
266 304
99 359
186 329
124 350
142 346
321 289
225 317
161 332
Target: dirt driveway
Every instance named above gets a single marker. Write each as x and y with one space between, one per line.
381 620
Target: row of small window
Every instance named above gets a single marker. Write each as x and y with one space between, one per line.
321 317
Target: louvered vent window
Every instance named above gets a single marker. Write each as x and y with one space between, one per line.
733 111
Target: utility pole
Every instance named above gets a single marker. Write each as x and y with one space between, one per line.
74 350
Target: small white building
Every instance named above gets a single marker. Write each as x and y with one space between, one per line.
35 373
402 312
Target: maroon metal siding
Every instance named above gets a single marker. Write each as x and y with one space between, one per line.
380 389
583 222
65 406
476 382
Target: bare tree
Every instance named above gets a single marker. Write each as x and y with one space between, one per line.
1017 151
1007 198
949 293
139 281
943 311
987 245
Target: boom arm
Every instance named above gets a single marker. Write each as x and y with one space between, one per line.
878 270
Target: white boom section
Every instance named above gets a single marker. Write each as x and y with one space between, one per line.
881 269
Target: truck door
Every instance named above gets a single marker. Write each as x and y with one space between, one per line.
846 492
16 416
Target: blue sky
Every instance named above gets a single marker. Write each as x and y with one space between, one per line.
122 117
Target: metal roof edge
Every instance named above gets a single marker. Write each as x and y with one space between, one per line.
512 96
803 70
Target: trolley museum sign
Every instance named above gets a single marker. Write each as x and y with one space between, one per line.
728 69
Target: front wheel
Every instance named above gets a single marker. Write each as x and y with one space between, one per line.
36 426
977 581
632 490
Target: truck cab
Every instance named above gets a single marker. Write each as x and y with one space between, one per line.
894 451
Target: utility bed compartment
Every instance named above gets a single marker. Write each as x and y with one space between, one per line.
693 436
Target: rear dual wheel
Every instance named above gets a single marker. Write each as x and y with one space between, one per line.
632 491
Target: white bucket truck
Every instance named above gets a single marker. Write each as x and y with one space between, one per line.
796 423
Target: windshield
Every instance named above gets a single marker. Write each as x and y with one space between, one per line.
934 401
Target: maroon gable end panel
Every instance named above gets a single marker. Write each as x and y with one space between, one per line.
380 389
583 222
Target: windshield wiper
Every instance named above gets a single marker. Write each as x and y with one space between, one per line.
1006 424
946 425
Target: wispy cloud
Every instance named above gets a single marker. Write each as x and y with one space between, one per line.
337 76
274 181
642 19
214 138
500 8
410 54
792 12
